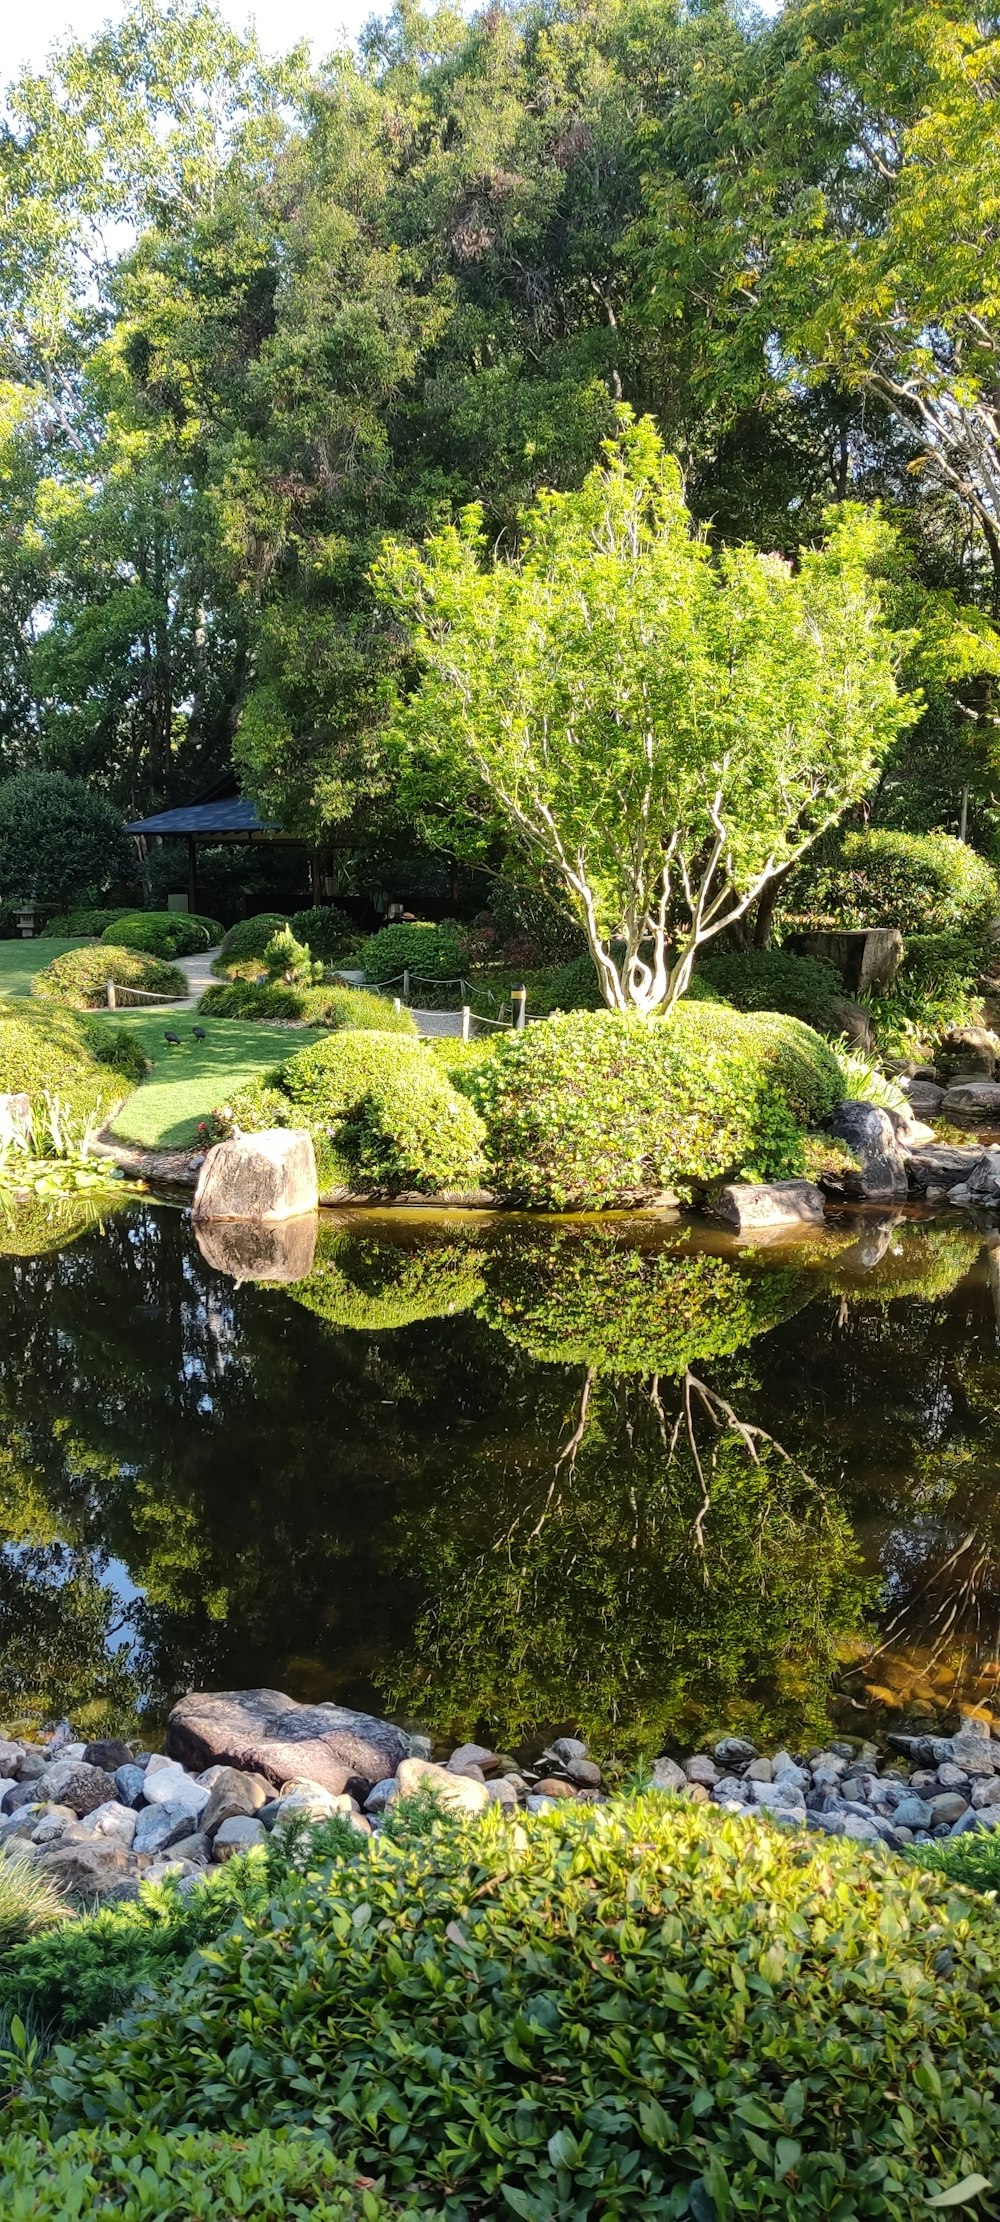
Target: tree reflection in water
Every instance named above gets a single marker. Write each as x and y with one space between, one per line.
500 1474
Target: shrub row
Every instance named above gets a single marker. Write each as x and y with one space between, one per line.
80 976
163 933
333 1006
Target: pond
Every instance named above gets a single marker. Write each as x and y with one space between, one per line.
502 1475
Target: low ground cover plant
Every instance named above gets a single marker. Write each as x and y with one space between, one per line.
80 977
640 2009
164 933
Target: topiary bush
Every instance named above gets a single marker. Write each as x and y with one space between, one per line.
248 939
592 1107
46 1049
772 980
260 999
643 2009
86 923
327 931
164 933
436 952
381 1113
80 976
921 882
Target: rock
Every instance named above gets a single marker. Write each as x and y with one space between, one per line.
128 1783
949 1806
113 1820
382 1794
471 1755
751 1207
569 1747
586 1773
700 1768
699 1793
967 1053
913 1813
193 1851
15 1119
20 1794
260 1250
733 1751
759 1770
266 1733
171 1786
73 1782
852 1021
55 1820
972 1103
941 1166
501 1791
881 1172
951 1777
93 1870
311 1801
923 1096
667 1775
258 1176
110 1755
861 1830
454 1791
775 1794
238 1835
732 1789
986 1792
866 957
31 1767
159 1826
10 1758
231 1794
553 1786
981 1188
535 1803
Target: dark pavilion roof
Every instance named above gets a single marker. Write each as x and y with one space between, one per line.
209 820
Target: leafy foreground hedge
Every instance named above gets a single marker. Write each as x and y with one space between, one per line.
80 977
121 2177
436 952
382 1113
633 2010
164 933
45 1049
590 1106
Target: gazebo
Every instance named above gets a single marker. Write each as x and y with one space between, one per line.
221 816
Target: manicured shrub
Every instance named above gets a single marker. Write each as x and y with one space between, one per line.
381 1113
139 2176
262 999
337 1007
592 1107
436 952
80 976
60 841
351 1009
46 1049
636 2010
86 923
248 939
772 980
921 882
164 933
327 931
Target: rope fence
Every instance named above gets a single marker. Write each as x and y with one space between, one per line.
120 999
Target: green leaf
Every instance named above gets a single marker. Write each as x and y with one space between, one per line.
959 2194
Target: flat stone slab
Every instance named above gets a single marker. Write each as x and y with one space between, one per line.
941 1164
267 1733
749 1205
259 1176
973 1102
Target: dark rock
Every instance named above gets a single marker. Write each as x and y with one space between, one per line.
852 1021
981 1187
239 1834
259 1176
267 1733
734 1751
256 1250
73 1782
967 1053
128 1783
881 1174
923 1096
753 1206
96 1869
23 1793
973 1103
941 1164
110 1755
866 957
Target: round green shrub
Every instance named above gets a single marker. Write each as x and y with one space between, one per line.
80 976
248 939
592 1107
46 1048
772 980
60 841
86 923
327 931
643 2009
381 1112
354 1009
164 933
921 882
375 1285
436 952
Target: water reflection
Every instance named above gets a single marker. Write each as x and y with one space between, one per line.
501 1474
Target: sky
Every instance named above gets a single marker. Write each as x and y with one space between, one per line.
28 28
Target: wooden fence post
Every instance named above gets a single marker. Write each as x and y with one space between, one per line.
112 1005
466 1020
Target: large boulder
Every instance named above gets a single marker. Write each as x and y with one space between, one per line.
923 1096
968 1053
259 1176
99 1868
255 1250
881 1175
267 1733
973 1103
750 1207
981 1187
941 1164
866 957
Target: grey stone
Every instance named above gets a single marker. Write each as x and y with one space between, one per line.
759 1770
967 1053
787 1769
974 1756
196 1849
732 1788
941 1164
159 1826
309 1801
455 1791
382 1793
700 1768
733 1751
237 1835
128 1783
751 1207
667 1775
231 1793
535 1804
881 1173
117 1821
986 1792
924 1096
22 1793
264 1176
569 1747
861 1829
53 1823
471 1755
10 1758
972 1103
267 1733
913 1813
952 1777
73 1782
586 1773
502 1791
171 1786
96 1869
948 1807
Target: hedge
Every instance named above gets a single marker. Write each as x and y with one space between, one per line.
86 923
249 938
638 2010
920 882
111 2176
438 952
80 976
47 1050
327 931
164 933
593 1107
339 1008
772 980
381 1113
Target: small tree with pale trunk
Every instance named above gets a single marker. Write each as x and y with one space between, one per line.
658 730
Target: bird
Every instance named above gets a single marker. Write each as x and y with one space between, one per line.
199 1033
173 1039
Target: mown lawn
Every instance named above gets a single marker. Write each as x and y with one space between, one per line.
20 960
186 1083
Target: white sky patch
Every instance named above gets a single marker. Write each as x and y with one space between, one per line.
27 33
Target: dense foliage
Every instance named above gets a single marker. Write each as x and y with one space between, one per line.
129 2176
80 976
248 940
594 1106
382 1113
593 2010
85 922
164 933
773 980
60 842
923 883
327 931
331 1005
427 952
46 1049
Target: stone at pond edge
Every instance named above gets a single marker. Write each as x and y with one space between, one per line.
881 1174
752 1206
456 1791
972 1103
941 1164
259 1250
110 1755
73 1782
259 1176
238 1835
981 1187
265 1732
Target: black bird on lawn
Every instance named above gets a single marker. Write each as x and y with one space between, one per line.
199 1033
173 1039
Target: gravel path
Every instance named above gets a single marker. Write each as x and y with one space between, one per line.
198 974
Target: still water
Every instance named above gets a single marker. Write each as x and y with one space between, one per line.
502 1475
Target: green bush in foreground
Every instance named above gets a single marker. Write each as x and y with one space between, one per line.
591 1107
772 980
80 976
164 933
248 939
381 1111
635 2010
47 1049
111 2176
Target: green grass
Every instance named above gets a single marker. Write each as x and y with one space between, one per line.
187 1083
20 960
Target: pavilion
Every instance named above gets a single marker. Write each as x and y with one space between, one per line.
219 817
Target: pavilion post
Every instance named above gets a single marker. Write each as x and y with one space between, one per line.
192 849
